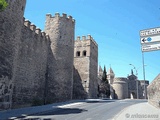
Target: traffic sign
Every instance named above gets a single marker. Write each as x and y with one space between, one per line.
151 47
150 39
150 32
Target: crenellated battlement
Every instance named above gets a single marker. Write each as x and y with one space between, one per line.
85 38
64 16
35 29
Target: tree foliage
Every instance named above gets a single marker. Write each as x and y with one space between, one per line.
3 5
104 87
104 76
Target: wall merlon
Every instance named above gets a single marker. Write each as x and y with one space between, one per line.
89 37
73 20
78 38
48 15
64 15
86 38
27 23
70 17
92 39
47 36
57 15
43 33
83 37
33 27
38 30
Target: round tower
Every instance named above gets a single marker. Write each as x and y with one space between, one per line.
60 62
11 21
120 86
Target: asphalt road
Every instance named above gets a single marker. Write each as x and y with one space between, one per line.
96 109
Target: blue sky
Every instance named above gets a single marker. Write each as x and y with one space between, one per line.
115 26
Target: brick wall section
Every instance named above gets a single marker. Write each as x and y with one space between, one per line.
60 59
11 20
31 66
154 92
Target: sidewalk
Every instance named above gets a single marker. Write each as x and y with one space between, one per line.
141 111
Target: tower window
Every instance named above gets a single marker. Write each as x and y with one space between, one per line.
78 53
84 53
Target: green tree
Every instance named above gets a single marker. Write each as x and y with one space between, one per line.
104 87
3 5
104 76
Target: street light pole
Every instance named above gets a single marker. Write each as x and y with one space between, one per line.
144 76
136 79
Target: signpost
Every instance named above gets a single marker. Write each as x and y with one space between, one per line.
149 32
150 41
151 47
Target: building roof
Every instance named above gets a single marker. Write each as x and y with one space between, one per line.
100 69
110 71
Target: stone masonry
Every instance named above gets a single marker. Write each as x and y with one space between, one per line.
31 66
10 34
86 63
154 92
60 59
39 67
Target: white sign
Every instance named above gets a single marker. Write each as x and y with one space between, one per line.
150 32
151 39
151 47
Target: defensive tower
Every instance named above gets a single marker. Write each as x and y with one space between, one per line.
120 86
86 63
60 60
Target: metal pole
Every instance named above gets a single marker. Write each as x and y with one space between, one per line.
137 84
144 75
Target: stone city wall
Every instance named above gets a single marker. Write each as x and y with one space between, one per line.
11 21
153 91
31 66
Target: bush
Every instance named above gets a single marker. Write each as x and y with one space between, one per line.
3 5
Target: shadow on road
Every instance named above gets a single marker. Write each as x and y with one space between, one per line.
63 111
57 111
99 101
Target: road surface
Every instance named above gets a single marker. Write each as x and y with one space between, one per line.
92 109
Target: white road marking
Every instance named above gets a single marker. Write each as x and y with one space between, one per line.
69 105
